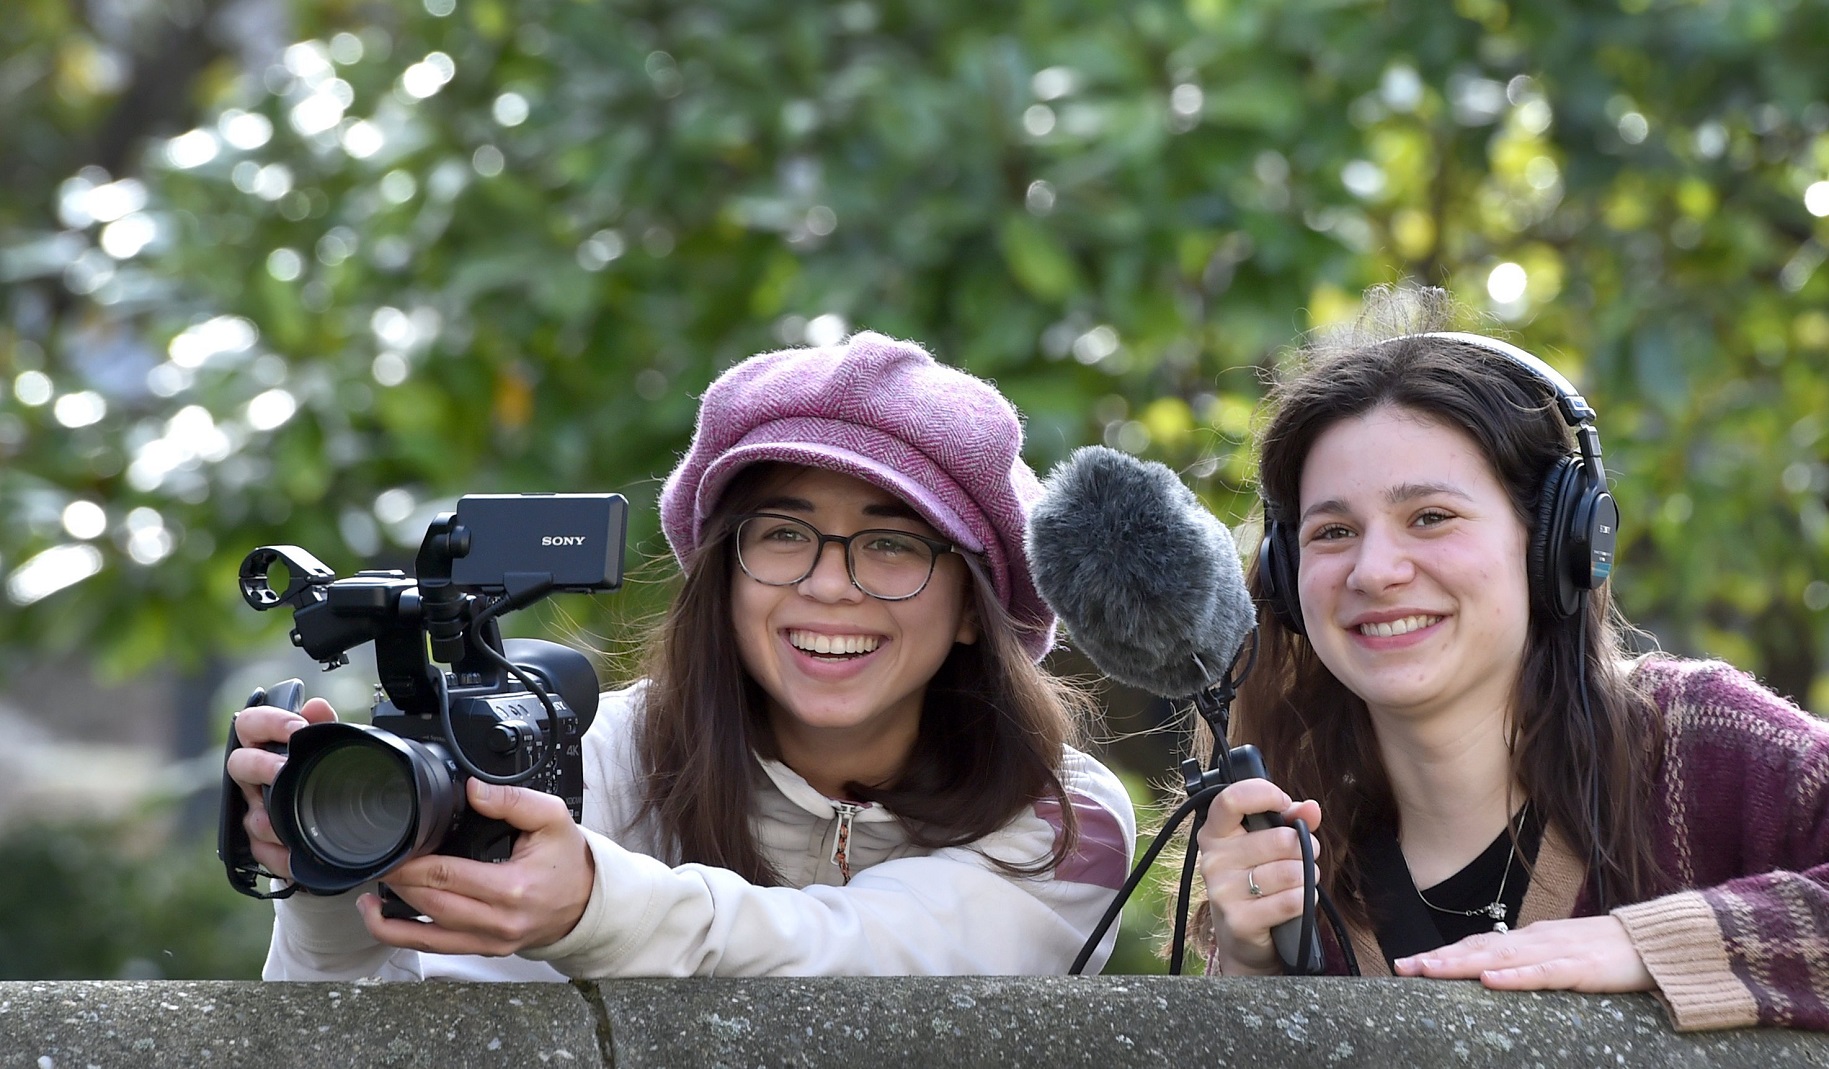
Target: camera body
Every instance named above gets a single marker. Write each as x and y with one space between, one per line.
355 800
500 726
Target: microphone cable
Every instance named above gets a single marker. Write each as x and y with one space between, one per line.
1310 892
1214 706
1137 872
1196 804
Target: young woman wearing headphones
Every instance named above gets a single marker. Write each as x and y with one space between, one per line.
1510 796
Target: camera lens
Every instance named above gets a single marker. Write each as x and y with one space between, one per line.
352 801
355 804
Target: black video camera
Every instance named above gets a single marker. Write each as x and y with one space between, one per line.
353 800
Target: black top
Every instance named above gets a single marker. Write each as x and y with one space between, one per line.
1404 922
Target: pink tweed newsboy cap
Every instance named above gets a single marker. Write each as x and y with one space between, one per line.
886 412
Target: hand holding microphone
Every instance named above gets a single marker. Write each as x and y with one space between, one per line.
1150 586
1254 872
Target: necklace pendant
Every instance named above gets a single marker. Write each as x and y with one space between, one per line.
1497 912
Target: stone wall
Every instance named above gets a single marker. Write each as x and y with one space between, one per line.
1056 1022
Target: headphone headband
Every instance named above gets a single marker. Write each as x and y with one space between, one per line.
1576 411
1575 408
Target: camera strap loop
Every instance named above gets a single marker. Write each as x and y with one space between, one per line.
246 881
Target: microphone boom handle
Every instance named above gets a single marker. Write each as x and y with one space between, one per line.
1301 957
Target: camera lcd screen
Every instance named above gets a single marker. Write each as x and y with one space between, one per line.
576 538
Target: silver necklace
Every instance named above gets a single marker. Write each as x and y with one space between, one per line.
1495 910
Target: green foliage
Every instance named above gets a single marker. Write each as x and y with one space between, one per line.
504 248
84 902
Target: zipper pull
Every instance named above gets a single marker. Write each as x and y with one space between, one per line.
841 839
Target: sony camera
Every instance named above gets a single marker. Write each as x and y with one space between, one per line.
355 800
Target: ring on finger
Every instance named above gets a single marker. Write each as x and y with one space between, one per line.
1251 882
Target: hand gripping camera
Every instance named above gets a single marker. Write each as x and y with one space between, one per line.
354 800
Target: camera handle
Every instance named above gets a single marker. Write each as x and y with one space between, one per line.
232 846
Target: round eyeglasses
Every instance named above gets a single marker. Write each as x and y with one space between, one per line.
888 565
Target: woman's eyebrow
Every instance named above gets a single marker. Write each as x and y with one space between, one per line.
893 510
1331 505
1395 495
1402 492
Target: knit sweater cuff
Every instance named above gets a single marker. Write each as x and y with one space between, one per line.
1687 957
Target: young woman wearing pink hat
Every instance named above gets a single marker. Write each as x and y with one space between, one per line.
843 757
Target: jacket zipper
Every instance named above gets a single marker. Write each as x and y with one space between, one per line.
841 838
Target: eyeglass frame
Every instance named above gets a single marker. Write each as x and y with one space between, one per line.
940 547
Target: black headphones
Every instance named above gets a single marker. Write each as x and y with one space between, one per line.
1571 545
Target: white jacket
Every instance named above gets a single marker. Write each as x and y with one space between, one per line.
906 909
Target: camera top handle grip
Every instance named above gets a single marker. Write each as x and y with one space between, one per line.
307 573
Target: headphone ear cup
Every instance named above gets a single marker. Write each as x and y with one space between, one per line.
1278 561
1598 524
1553 587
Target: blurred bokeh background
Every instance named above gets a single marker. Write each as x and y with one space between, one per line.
305 271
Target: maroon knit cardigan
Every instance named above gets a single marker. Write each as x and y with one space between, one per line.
1741 816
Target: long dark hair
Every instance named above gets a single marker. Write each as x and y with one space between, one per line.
1317 736
993 725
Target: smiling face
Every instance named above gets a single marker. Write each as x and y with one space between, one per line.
1412 581
845 673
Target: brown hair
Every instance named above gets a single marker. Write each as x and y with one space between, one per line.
989 743
1316 735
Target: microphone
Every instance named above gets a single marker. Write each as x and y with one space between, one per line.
1147 580
1151 588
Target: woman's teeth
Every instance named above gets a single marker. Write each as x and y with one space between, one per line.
1398 627
833 644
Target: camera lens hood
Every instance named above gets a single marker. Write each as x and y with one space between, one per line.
352 801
